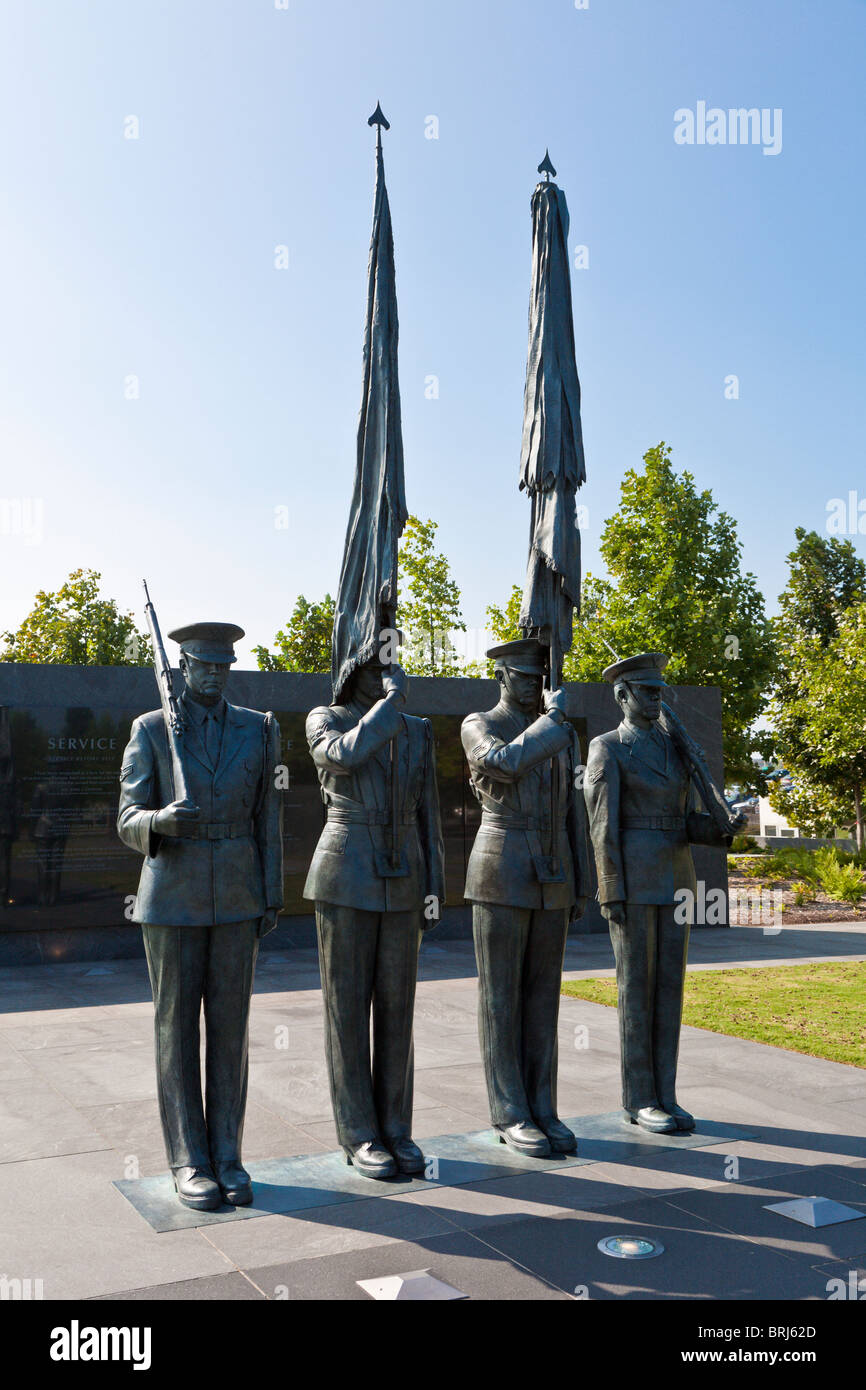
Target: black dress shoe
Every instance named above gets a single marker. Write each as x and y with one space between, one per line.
372 1160
562 1140
683 1118
407 1155
234 1183
651 1118
525 1138
196 1188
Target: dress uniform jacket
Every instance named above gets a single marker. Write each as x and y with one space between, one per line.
509 765
231 869
350 749
641 816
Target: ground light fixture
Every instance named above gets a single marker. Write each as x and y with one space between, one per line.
631 1247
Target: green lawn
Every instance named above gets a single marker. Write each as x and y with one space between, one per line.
818 1009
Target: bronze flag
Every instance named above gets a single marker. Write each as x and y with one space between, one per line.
552 465
367 593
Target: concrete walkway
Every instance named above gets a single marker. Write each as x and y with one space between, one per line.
78 1111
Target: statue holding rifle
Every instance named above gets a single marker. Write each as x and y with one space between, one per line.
198 799
640 786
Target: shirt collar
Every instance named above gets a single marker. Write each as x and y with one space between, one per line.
632 733
198 713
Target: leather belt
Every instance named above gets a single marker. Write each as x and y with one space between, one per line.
216 830
344 815
653 822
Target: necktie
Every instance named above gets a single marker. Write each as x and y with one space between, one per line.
211 736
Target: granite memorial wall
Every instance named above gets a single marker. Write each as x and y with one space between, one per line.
69 882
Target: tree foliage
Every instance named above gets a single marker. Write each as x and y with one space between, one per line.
818 711
76 626
305 642
428 608
676 585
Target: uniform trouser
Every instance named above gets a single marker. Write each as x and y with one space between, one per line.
189 966
519 953
369 960
650 953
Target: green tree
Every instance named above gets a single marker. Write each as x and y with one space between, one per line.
826 577
504 622
827 717
503 626
428 608
305 643
818 710
676 585
77 627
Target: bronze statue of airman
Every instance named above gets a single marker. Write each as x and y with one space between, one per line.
527 877
211 885
641 803
373 897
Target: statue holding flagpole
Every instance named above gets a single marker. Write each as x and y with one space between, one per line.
377 875
528 871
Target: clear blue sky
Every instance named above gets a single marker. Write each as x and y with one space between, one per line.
155 257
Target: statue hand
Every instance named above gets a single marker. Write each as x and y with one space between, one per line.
178 819
395 682
553 702
268 921
614 912
578 909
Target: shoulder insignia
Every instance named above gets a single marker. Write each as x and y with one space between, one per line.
596 775
126 770
483 748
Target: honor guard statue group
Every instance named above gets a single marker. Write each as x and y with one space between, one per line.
199 800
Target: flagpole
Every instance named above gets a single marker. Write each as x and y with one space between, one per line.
553 679
552 464
389 615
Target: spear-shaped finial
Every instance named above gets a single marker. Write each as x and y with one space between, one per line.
378 120
545 167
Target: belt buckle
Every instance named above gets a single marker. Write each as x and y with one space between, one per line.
213 832
386 869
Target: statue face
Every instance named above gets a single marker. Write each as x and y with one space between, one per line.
205 680
640 703
367 682
524 686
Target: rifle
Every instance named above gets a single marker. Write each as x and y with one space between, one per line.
174 722
727 821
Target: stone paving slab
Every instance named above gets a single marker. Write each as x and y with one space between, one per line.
454 1160
697 1263
78 1114
459 1258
